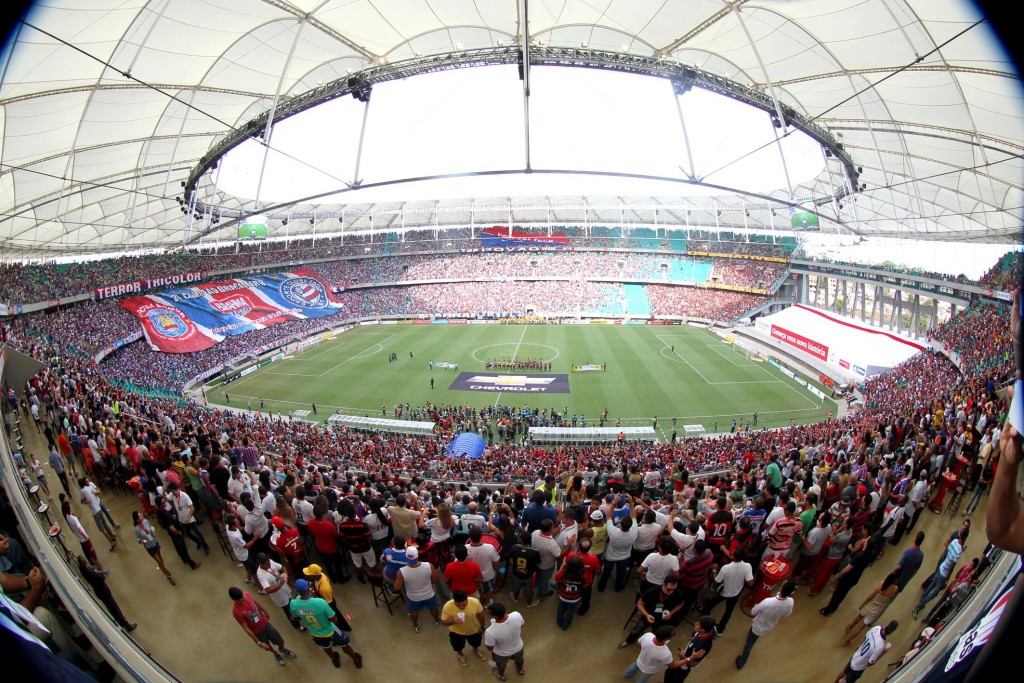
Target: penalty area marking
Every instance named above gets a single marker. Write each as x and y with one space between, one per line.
727 356
368 351
667 353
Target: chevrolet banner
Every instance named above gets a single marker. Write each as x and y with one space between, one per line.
526 384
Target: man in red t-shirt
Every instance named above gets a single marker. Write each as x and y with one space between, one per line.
255 621
591 568
462 574
719 528
288 545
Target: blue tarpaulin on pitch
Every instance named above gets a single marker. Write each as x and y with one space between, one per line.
467 446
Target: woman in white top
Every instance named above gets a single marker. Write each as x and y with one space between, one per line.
79 531
379 523
442 525
37 470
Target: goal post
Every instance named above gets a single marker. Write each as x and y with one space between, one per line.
747 352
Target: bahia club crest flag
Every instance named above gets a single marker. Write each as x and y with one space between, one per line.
196 318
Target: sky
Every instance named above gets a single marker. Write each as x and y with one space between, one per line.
471 120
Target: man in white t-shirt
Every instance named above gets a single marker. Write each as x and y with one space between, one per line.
657 566
486 557
767 615
273 579
504 638
732 578
870 651
183 508
654 654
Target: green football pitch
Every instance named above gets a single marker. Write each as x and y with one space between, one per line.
702 381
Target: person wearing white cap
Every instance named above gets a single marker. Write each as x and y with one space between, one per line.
418 580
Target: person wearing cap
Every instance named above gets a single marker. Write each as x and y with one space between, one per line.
321 586
321 622
255 621
286 542
464 617
418 579
273 579
599 541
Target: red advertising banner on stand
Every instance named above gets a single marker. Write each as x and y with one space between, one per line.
801 342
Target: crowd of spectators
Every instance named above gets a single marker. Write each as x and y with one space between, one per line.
82 329
1005 274
698 302
917 417
25 283
548 297
918 389
979 336
671 267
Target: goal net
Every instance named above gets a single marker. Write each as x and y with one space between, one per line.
747 352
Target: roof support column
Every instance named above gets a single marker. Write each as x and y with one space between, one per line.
269 130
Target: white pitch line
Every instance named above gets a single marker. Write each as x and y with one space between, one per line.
726 354
515 354
686 361
358 355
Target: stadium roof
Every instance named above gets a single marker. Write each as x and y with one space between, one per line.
114 113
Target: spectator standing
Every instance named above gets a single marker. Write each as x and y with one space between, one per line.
849 577
321 622
731 579
145 535
910 562
255 621
767 615
418 579
654 655
273 580
544 542
464 617
873 606
524 561
97 580
870 651
504 638
570 580
938 583
695 652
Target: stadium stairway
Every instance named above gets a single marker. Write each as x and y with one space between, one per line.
636 300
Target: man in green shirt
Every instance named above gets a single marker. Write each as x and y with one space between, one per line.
772 473
320 620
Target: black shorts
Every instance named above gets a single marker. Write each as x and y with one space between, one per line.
336 638
154 550
850 675
459 641
270 635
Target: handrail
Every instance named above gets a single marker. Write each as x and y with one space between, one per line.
131 661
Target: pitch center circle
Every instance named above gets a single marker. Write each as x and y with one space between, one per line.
514 347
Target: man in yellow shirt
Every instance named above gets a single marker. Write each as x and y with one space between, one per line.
322 588
464 617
